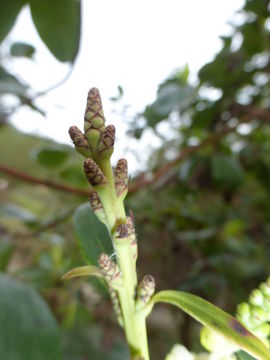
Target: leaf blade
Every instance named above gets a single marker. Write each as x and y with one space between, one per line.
216 319
87 270
92 235
9 11
27 328
58 24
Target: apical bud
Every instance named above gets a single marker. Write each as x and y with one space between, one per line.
106 143
94 121
110 271
93 173
94 116
145 291
121 178
80 141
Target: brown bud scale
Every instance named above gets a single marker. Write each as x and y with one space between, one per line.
107 138
146 288
94 112
93 173
108 267
121 176
95 201
78 137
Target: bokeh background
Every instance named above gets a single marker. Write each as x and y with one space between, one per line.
187 86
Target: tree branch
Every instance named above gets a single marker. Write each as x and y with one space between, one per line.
49 183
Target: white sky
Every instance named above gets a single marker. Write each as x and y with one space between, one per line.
135 44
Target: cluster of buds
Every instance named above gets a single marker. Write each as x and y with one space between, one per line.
255 314
96 145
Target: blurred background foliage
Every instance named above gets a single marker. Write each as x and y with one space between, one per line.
202 207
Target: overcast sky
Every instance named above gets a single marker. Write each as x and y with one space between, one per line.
135 44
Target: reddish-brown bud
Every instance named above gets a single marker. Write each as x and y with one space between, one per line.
121 177
110 270
79 140
106 143
94 117
93 173
145 290
95 201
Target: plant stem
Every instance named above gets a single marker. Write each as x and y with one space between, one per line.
134 322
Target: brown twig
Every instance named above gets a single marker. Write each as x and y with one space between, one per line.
49 183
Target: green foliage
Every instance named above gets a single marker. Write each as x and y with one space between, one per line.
216 319
9 11
91 233
58 24
51 158
28 329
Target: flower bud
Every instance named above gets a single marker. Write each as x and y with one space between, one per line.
94 121
106 143
93 173
121 178
256 298
94 116
132 237
262 331
265 289
97 207
80 141
243 313
258 315
110 271
145 291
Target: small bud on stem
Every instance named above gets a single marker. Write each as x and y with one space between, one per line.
106 143
93 173
110 271
145 291
80 141
121 178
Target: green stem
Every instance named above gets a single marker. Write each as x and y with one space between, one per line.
134 322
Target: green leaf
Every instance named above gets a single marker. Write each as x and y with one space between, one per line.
27 327
51 157
22 49
216 319
87 270
226 170
92 234
8 13
74 175
6 249
58 24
